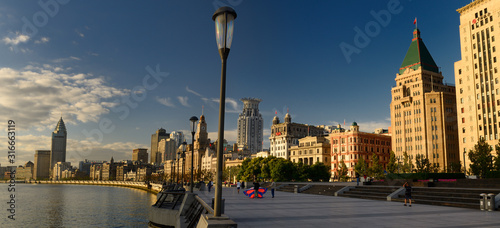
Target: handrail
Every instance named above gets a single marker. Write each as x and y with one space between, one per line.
205 205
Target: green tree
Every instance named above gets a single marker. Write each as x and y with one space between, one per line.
455 167
303 171
319 172
342 171
406 163
376 170
361 166
496 165
283 170
392 166
422 164
480 158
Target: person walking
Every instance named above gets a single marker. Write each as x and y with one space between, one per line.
210 184
238 186
407 193
256 187
273 186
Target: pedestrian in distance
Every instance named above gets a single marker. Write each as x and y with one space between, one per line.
407 193
256 186
210 184
238 186
357 179
273 186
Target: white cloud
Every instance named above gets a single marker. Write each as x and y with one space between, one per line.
80 34
42 40
183 101
232 105
36 96
60 60
193 92
76 150
230 135
165 101
15 39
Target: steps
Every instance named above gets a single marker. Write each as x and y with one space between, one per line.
327 190
453 197
370 192
290 187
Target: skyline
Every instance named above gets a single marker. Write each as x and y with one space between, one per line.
84 67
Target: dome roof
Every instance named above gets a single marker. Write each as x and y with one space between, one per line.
354 124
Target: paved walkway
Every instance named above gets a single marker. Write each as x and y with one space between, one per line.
306 210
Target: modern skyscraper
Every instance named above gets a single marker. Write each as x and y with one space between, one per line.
42 164
477 76
155 139
250 126
423 109
59 138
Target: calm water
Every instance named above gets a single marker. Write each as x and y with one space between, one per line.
48 205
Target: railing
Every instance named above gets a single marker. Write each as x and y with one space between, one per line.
195 210
176 196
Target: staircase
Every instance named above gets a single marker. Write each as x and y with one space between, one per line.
326 190
370 192
290 187
453 197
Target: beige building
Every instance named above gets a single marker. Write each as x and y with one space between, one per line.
311 149
58 168
287 134
477 76
423 109
42 164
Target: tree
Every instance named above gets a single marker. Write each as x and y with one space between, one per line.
480 158
283 170
422 164
319 172
392 166
406 163
496 165
361 166
455 167
376 170
342 171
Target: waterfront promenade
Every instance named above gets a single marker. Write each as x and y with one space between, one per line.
307 210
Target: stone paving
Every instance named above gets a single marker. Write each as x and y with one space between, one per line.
307 210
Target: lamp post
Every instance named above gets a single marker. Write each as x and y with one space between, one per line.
224 25
465 167
178 158
173 176
183 160
193 120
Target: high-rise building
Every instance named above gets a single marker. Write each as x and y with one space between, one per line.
477 76
423 109
58 149
155 139
250 126
42 164
140 154
287 134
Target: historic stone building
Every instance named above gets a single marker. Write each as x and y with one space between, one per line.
477 77
423 109
200 145
311 149
353 144
250 126
287 134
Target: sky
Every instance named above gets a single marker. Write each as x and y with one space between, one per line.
116 71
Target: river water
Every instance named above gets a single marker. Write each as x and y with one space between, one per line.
54 205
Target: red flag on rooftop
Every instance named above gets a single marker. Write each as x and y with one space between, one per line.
276 112
415 21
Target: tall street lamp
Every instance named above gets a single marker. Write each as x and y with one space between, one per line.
193 127
465 167
183 159
224 26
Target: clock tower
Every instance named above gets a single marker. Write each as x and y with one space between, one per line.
201 136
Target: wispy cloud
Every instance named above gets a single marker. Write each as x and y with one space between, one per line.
183 101
165 101
79 33
60 60
42 40
15 39
193 92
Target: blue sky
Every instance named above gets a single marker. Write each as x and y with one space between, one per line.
89 59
